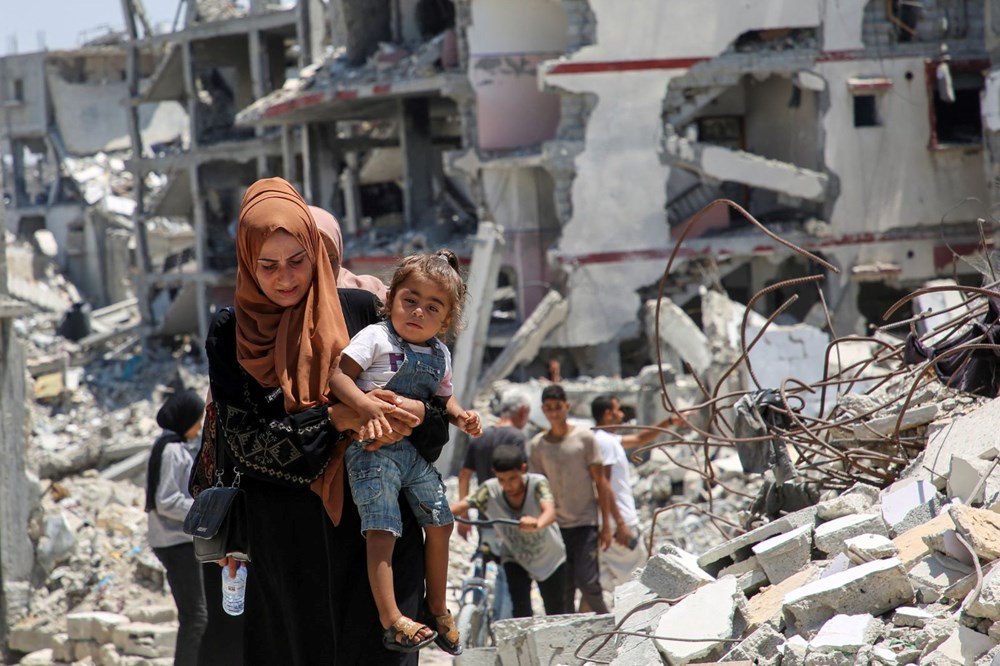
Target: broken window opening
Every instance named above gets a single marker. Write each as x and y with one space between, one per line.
904 15
875 298
18 90
866 111
955 108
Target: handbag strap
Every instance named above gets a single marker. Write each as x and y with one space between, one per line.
219 458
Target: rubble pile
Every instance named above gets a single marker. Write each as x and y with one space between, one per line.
870 535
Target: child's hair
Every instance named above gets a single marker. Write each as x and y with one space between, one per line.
506 458
601 404
554 392
441 268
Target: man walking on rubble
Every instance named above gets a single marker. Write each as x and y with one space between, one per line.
570 458
508 431
628 551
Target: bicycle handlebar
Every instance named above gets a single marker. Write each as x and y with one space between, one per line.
489 521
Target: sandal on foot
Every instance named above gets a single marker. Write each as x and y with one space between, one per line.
448 638
402 636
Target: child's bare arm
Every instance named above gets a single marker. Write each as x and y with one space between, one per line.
542 520
466 419
371 410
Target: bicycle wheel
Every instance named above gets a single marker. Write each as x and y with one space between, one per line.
470 626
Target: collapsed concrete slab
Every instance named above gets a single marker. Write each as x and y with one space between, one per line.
873 588
715 558
715 612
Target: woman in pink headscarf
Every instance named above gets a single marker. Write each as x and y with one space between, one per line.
329 229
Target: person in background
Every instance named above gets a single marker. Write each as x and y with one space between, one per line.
329 228
534 549
508 431
571 460
167 503
628 551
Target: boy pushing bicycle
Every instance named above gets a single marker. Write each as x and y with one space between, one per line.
533 549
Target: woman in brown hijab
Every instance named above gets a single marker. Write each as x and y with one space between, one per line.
269 359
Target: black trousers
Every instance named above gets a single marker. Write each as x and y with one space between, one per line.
308 598
184 576
582 569
553 590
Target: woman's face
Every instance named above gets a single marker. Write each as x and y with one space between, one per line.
283 271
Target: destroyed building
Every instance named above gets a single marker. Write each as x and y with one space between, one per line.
590 137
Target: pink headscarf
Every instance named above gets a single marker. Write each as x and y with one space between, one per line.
329 230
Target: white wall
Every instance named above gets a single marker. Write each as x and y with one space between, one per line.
619 194
91 117
888 176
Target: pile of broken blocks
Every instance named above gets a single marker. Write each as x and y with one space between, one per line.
902 575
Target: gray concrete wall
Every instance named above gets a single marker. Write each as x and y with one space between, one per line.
27 117
16 553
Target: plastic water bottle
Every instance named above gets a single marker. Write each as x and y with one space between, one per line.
234 590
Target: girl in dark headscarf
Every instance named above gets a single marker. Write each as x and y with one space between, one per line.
269 360
167 502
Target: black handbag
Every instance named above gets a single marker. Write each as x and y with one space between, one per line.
217 520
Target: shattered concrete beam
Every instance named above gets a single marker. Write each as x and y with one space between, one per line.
723 164
550 312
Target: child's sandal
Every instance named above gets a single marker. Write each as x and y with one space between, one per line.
402 636
448 638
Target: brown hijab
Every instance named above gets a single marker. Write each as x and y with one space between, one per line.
329 229
296 347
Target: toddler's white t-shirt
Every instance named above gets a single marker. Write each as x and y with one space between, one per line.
380 357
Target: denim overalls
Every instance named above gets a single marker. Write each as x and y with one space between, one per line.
377 477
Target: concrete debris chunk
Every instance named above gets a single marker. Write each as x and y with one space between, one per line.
968 475
550 639
911 616
962 647
749 573
713 612
761 645
93 625
672 573
784 555
142 639
867 547
968 436
874 588
987 602
980 528
830 537
482 656
709 560
908 503
765 607
846 634
856 499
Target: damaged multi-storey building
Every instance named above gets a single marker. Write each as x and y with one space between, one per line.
562 147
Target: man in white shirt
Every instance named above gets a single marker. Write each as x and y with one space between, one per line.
628 550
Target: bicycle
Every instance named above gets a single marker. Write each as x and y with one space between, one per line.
475 613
